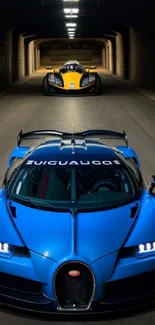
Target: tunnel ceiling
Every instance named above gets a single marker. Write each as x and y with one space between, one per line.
46 18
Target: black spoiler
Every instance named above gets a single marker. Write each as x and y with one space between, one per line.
101 134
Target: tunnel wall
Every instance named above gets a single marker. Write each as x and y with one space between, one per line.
21 57
18 58
3 62
142 56
119 55
61 56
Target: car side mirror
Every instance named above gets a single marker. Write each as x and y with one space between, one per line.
152 187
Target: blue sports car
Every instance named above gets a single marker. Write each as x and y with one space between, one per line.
77 220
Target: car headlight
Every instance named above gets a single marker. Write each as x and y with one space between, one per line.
146 249
54 79
6 250
88 80
91 78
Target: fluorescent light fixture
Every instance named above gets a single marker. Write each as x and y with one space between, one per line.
71 11
71 34
71 16
71 24
71 37
71 29
70 0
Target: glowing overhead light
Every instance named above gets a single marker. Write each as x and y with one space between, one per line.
71 34
71 24
71 37
71 16
70 0
71 11
71 29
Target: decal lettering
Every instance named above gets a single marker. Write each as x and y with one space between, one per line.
107 163
73 162
96 162
30 162
117 162
85 163
38 163
52 163
63 163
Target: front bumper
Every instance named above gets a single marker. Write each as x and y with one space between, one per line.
119 296
130 285
90 90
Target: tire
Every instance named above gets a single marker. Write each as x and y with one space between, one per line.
98 86
45 87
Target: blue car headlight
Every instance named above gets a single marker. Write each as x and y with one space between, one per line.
54 79
87 80
6 250
144 250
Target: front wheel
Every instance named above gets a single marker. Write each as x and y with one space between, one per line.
45 87
98 86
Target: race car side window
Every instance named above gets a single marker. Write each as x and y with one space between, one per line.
132 165
11 171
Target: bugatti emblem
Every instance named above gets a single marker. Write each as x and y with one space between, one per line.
74 273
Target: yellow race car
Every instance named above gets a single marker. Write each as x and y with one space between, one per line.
71 79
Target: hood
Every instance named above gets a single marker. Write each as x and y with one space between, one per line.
71 78
59 235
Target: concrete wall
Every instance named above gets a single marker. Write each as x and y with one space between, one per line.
110 59
107 56
3 62
56 56
21 57
9 55
18 58
31 63
141 56
103 55
119 55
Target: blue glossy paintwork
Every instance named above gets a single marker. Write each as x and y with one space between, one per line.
59 235
101 233
22 267
51 150
18 152
8 233
131 266
47 233
144 230
129 152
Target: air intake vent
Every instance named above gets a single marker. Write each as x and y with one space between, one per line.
74 286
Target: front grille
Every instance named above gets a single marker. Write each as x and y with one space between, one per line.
129 288
74 292
19 284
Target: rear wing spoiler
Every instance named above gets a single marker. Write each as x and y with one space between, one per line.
84 135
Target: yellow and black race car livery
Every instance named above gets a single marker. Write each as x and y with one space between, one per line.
72 78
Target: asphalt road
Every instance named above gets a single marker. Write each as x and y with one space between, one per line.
120 107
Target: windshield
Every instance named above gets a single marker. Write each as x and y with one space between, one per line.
86 187
73 68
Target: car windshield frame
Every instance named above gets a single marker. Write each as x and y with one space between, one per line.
71 204
76 67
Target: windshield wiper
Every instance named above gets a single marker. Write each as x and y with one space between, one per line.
39 205
33 203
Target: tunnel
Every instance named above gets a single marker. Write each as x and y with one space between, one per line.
118 39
